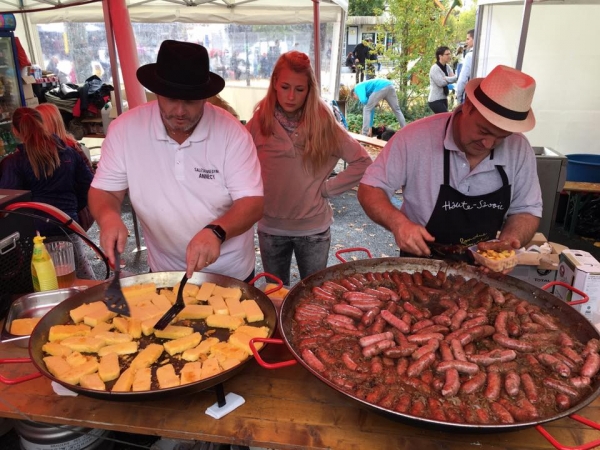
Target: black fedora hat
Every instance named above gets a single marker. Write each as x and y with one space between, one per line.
182 72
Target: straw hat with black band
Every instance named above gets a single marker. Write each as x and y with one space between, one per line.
181 72
504 98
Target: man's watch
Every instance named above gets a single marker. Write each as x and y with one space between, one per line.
218 230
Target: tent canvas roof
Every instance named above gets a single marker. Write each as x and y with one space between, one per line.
263 12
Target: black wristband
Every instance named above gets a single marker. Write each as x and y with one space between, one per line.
218 230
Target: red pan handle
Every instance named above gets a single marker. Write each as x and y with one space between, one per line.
21 379
559 446
584 296
353 249
272 277
262 362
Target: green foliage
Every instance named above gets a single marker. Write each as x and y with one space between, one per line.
365 7
461 21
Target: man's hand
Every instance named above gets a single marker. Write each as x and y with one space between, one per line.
203 250
412 238
113 231
370 132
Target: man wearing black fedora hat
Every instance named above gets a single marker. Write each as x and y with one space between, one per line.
190 168
465 175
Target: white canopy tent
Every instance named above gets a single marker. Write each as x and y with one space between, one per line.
244 12
556 43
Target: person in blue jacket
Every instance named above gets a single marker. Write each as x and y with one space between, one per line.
370 93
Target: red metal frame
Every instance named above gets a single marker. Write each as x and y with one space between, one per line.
21 379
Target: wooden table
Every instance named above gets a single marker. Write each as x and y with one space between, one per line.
579 195
285 409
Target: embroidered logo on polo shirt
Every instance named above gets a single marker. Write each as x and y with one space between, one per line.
207 174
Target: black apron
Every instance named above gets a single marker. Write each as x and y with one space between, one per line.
460 220
466 220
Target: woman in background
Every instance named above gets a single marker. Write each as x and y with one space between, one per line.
55 174
299 143
440 76
53 122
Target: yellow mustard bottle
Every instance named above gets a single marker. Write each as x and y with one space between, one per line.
43 273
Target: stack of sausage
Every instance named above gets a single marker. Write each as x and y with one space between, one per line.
443 348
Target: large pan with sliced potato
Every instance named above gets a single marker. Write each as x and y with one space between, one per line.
60 315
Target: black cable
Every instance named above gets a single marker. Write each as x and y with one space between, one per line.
64 227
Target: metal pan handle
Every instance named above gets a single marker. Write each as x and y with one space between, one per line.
559 446
584 296
272 277
21 379
353 249
262 362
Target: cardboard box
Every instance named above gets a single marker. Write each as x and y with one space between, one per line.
28 91
582 271
32 102
538 268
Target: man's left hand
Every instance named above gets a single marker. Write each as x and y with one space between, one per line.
203 250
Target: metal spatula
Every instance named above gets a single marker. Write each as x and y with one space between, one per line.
113 296
173 310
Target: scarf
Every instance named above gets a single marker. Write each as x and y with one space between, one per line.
444 69
289 124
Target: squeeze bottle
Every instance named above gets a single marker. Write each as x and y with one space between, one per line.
43 273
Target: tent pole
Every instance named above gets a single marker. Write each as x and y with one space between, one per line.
524 29
317 30
112 55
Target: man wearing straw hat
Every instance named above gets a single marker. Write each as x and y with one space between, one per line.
465 175
190 168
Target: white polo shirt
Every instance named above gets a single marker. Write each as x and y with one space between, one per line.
177 189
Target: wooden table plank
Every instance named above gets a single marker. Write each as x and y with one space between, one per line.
285 409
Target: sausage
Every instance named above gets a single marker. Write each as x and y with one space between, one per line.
430 279
580 382
378 294
376 348
392 295
348 361
591 365
322 294
592 346
492 357
313 362
376 366
529 388
348 310
357 295
401 367
544 320
418 294
474 384
424 338
461 366
501 413
403 404
451 384
475 333
395 321
369 316
498 246
417 278
365 305
475 321
436 410
336 287
442 320
416 312
432 346
457 319
348 285
378 325
374 338
339 321
493 386
458 350
415 369
497 296
400 351
560 387
421 324
554 363
512 383
563 402
446 351
500 322
434 329
513 344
